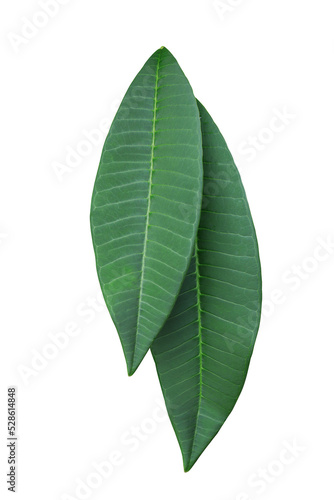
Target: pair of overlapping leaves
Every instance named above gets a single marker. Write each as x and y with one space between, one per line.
176 250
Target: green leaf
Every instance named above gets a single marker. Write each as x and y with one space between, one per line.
203 351
146 202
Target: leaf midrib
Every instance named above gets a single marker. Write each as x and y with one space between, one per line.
200 341
149 201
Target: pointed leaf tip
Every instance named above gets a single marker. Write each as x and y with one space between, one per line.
132 368
203 351
138 211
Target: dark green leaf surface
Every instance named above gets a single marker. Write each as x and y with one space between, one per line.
150 175
203 351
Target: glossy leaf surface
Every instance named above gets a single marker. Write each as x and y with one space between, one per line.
149 177
203 351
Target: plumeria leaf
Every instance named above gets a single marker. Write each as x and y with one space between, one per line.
146 202
203 351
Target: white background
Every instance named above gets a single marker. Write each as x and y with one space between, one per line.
247 61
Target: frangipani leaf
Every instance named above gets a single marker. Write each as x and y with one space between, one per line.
150 175
203 351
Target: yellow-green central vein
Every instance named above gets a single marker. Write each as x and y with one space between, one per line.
199 319
149 199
